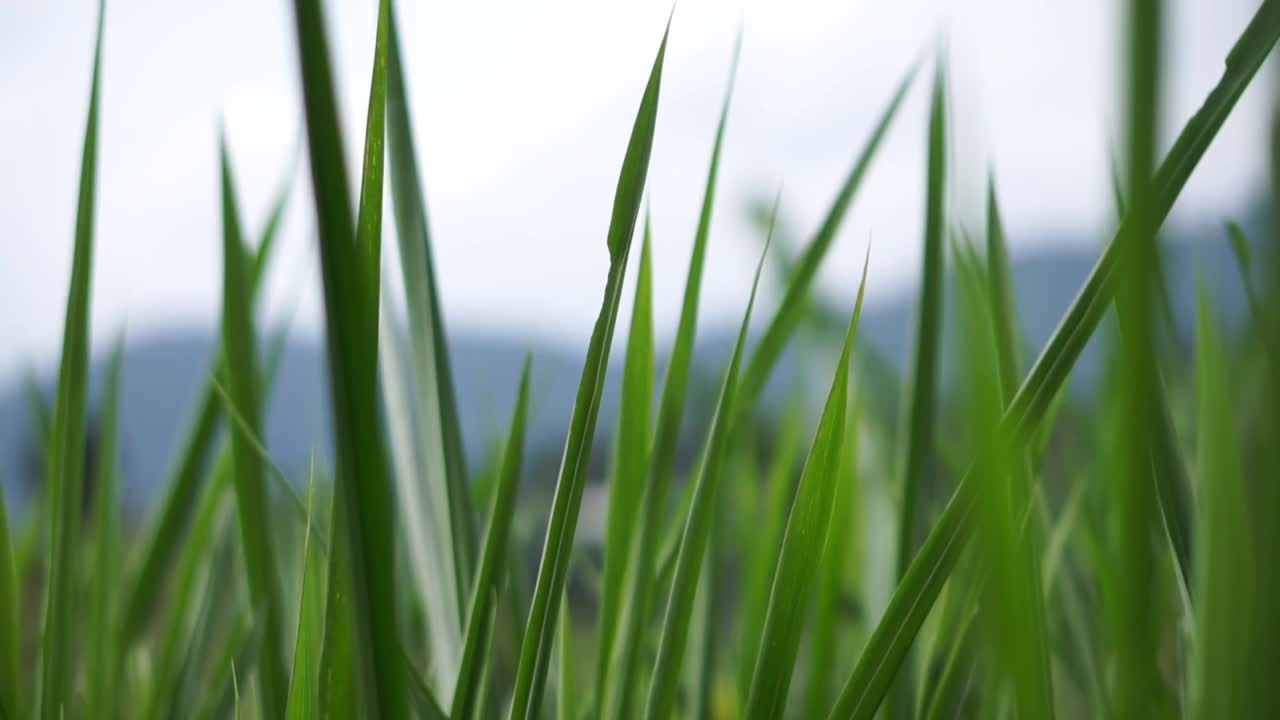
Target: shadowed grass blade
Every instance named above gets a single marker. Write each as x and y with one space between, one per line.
535 649
804 542
674 639
67 457
915 596
484 595
106 659
239 350
627 484
615 700
792 309
349 259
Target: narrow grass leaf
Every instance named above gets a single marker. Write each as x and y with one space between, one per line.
105 657
304 692
11 692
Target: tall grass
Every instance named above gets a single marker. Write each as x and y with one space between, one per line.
1119 557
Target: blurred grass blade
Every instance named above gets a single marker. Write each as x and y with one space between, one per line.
631 455
106 658
66 472
449 510
11 693
484 595
914 597
423 702
674 639
304 692
349 260
803 544
615 700
535 649
1240 249
922 399
1225 590
565 682
250 484
792 308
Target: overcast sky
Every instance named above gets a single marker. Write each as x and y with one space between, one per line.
522 112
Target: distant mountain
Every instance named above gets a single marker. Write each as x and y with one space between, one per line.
162 373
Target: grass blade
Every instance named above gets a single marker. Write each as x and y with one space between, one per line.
304 692
11 694
615 699
914 597
804 542
627 484
67 458
492 560
350 256
792 309
250 483
674 639
540 629
105 657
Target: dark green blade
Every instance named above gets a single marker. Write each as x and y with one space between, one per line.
615 700
915 596
804 542
350 271
106 658
66 471
492 560
535 649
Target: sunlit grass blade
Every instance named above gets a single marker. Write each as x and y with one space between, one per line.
792 308
917 441
674 638
66 471
539 632
493 557
105 658
630 457
1225 593
615 700
349 259
804 542
915 596
304 693
239 350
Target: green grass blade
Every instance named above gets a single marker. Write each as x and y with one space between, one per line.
11 692
540 629
804 542
67 458
922 398
432 367
792 309
616 699
423 702
349 267
674 639
1240 249
304 691
915 596
492 560
565 682
339 680
632 453
1225 589
105 661
239 343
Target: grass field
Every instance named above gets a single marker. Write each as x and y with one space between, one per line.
990 549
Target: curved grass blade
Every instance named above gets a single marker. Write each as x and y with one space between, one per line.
615 700
67 457
350 257
250 484
492 560
627 484
535 649
106 659
674 640
792 309
803 544
915 596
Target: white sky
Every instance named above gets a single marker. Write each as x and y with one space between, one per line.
522 111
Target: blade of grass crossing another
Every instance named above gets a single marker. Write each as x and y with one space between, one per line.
674 639
615 699
805 540
350 271
913 598
484 594
67 457
535 648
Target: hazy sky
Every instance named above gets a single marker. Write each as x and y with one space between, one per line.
522 111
